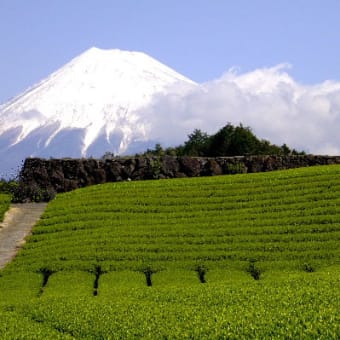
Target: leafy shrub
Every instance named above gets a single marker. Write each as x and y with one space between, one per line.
236 168
33 193
8 187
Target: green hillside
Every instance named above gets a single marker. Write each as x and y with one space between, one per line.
244 256
280 219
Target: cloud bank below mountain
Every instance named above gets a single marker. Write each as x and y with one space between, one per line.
269 100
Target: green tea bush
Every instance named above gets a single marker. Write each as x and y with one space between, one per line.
303 307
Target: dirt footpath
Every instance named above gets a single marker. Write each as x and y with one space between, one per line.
17 224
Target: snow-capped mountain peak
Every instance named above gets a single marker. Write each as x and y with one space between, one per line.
91 105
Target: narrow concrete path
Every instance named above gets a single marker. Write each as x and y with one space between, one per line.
17 224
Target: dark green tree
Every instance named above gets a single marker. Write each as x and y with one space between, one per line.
220 142
243 142
233 141
197 144
228 141
157 151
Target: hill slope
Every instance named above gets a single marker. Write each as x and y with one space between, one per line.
245 256
280 219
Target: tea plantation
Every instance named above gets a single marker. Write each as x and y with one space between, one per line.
251 256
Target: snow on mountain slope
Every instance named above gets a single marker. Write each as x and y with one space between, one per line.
91 105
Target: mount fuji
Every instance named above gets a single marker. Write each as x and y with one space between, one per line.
93 104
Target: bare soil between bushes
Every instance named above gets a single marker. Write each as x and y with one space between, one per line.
17 224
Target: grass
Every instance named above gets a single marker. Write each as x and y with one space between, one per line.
5 200
244 256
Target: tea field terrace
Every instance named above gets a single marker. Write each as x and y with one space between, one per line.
245 256
280 220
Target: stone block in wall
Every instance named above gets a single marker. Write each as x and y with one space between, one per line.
253 164
57 180
190 166
145 168
170 166
113 171
141 163
71 168
212 168
99 176
70 184
128 167
271 163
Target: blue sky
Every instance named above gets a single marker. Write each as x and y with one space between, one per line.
201 39
239 49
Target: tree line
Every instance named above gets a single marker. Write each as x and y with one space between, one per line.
228 141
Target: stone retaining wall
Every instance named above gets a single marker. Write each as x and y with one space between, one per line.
44 178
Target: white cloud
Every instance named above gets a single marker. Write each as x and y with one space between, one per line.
268 100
